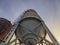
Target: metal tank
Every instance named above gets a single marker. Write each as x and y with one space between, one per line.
5 27
30 30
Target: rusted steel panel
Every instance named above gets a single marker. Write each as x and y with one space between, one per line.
5 27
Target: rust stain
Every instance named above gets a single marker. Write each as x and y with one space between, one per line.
5 27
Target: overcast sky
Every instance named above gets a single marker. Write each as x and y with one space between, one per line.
49 10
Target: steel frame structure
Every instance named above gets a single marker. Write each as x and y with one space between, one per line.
7 40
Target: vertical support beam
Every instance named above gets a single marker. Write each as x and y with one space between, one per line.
10 39
55 42
47 42
15 42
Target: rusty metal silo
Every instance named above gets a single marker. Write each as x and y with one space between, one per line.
5 27
30 30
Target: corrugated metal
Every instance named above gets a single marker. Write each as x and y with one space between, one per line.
5 27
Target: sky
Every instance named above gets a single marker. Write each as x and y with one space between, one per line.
48 10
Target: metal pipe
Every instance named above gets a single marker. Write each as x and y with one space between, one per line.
55 42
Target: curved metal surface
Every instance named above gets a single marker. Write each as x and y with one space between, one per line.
30 28
5 27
